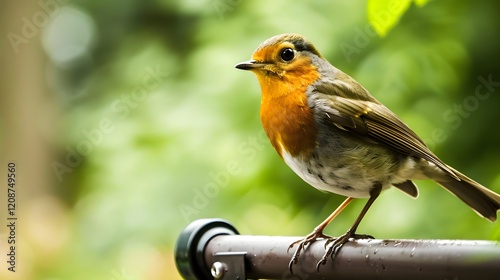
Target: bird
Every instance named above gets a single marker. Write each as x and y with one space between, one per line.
339 138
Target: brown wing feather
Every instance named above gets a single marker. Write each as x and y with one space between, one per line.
376 122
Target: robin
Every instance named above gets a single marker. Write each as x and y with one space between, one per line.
338 138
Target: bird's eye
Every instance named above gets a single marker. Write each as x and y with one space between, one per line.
287 54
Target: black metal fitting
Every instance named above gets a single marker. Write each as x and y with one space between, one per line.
191 244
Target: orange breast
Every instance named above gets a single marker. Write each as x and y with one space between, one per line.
287 119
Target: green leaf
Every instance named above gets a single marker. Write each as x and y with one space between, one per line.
383 15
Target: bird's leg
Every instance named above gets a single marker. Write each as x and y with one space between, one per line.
333 245
315 235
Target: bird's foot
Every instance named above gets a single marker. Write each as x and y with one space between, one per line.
302 243
333 245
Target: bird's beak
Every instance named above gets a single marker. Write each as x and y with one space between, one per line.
250 65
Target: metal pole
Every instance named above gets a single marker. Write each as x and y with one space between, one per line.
233 256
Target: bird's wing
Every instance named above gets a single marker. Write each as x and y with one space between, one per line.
376 123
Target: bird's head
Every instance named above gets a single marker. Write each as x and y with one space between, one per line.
287 59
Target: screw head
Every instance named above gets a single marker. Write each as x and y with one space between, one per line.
217 270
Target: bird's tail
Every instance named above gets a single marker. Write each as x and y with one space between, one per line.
482 200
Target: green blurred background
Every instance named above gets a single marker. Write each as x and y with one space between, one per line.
127 121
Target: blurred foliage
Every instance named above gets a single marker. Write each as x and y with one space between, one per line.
186 142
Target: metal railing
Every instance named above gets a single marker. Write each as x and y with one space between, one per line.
213 249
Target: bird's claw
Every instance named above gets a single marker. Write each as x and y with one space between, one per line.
302 243
333 245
